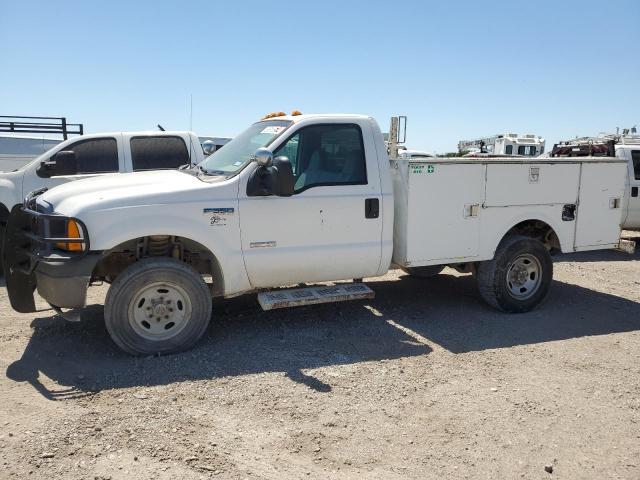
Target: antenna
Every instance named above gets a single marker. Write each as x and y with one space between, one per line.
191 129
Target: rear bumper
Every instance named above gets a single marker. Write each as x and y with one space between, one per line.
64 284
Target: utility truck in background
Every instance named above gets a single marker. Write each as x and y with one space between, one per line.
302 199
625 146
504 144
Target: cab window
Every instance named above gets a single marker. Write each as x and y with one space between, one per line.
528 150
96 155
326 155
635 156
156 153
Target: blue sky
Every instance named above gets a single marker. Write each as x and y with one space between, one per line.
457 69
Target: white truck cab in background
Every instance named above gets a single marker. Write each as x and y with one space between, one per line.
528 145
97 154
630 152
303 199
625 146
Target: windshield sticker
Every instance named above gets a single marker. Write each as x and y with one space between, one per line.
237 164
272 130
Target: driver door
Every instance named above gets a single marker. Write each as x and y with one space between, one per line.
323 231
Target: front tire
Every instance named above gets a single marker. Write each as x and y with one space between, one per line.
157 306
519 276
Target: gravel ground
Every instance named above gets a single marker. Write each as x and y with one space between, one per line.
425 381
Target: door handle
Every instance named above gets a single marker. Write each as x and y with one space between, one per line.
371 208
634 191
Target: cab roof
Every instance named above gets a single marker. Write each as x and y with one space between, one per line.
299 118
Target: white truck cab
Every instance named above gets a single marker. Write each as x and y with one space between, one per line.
630 152
625 146
97 154
302 199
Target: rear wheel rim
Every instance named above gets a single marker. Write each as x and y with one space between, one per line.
524 276
159 311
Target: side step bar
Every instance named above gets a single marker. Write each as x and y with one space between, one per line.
297 297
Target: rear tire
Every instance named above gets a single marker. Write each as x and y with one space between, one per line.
519 276
157 306
424 272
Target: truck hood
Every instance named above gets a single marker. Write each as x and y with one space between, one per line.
120 190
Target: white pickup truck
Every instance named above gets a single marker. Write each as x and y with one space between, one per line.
625 147
97 154
302 199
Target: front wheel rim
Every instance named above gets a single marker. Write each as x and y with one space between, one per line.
524 276
159 311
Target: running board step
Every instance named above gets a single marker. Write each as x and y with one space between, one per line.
297 297
627 246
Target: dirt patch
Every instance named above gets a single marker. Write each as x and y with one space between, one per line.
425 381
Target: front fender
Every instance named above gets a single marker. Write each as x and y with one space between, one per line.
109 228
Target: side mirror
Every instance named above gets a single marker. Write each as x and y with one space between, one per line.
263 157
62 163
275 179
282 183
208 147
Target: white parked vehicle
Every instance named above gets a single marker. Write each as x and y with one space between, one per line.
328 204
96 154
406 154
626 147
505 144
16 151
211 144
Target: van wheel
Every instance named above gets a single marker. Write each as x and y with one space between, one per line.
157 305
424 272
519 276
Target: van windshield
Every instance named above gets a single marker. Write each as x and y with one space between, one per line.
238 152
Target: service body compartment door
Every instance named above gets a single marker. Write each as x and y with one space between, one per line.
600 204
510 185
443 211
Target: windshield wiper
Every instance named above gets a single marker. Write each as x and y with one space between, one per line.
210 172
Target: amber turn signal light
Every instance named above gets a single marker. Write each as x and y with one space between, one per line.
73 231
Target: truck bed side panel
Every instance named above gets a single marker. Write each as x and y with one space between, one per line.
600 204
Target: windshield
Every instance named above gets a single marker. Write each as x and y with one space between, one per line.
239 151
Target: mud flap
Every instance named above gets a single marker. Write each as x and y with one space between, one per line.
19 277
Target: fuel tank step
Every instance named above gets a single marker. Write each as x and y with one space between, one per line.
297 297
